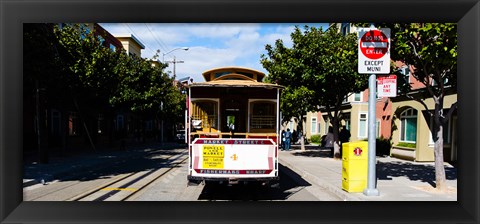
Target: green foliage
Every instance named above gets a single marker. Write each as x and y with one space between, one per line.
319 70
114 76
316 139
408 145
87 66
73 64
383 146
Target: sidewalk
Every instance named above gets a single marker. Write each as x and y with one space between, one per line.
397 180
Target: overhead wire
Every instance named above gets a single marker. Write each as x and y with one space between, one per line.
138 37
159 41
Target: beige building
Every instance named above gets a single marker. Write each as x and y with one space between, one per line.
131 44
413 125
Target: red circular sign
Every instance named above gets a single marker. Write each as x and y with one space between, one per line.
374 44
357 151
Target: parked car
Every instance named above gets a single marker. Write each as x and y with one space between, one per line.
180 136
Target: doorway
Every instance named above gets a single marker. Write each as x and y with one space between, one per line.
233 117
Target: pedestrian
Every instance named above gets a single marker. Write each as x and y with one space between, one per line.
288 138
294 137
329 139
344 135
283 140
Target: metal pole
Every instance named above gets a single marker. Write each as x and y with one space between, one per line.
163 117
174 65
277 126
371 181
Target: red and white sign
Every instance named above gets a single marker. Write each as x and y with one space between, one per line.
387 86
373 51
357 151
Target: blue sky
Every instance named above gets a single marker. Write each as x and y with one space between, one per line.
210 45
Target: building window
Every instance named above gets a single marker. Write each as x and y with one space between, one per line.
56 124
113 48
346 119
72 124
314 125
325 118
101 40
408 126
378 129
120 122
345 28
363 128
405 71
446 132
357 97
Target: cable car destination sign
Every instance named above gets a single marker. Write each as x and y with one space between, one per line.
373 51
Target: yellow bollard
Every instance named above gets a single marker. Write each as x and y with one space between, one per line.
354 166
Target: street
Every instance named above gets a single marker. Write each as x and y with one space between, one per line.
160 175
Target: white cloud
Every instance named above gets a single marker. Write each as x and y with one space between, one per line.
210 45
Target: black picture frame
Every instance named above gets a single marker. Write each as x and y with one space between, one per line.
14 13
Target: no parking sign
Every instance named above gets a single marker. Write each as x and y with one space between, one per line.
374 51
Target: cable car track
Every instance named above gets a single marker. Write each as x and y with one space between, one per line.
128 185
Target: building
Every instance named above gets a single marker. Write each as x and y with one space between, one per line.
403 121
131 44
411 137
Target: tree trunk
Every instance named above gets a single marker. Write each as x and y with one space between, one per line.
336 143
42 137
302 139
302 143
440 178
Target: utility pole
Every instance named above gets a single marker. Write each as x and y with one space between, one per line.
174 65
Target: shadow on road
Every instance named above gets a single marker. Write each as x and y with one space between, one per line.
102 164
317 152
415 172
290 183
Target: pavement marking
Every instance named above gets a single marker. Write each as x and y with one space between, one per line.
118 189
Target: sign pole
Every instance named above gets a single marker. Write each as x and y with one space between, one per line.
372 99
373 58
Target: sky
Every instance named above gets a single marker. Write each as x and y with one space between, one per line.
209 45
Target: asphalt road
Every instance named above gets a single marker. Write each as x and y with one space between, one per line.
172 184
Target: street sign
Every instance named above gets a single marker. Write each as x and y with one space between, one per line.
374 51
387 86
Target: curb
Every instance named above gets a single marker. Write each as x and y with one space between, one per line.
28 183
319 182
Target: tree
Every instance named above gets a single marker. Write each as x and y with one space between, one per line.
88 71
322 67
430 51
40 71
296 98
147 90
